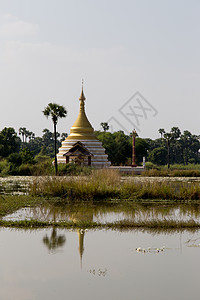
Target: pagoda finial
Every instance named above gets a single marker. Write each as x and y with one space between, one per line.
82 96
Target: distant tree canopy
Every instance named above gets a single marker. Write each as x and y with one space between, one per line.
173 147
118 147
158 156
9 142
141 149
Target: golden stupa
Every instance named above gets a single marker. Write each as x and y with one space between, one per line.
82 145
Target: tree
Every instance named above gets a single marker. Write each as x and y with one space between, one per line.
48 142
168 137
161 131
105 126
35 145
118 146
190 147
55 111
26 134
175 146
63 136
31 135
141 148
158 156
9 141
22 131
27 156
175 132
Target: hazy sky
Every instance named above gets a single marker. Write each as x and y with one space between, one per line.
139 60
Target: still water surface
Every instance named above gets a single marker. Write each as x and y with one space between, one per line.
51 264
107 213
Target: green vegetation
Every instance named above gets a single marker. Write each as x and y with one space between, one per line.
106 184
9 142
171 173
140 214
25 157
122 225
176 170
174 147
118 146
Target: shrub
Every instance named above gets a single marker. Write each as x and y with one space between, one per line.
72 169
15 158
25 170
3 165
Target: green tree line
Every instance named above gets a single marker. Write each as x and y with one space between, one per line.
23 147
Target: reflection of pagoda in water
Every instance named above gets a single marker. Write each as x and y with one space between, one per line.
81 233
82 146
78 217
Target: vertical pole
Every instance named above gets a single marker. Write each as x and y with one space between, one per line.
133 149
55 138
168 153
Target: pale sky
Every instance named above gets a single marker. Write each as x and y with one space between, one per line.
148 49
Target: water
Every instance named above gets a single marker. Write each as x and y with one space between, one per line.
60 264
98 265
107 213
15 185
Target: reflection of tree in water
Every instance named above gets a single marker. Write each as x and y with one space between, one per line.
109 211
54 241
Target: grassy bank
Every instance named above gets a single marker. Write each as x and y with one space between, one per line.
107 184
176 170
152 225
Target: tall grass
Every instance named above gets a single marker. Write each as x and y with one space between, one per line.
106 184
101 184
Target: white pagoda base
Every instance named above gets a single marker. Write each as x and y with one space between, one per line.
99 158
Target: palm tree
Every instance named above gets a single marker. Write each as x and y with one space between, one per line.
55 111
54 241
161 131
168 137
22 131
105 126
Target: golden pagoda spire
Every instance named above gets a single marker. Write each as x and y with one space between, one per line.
82 129
82 96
